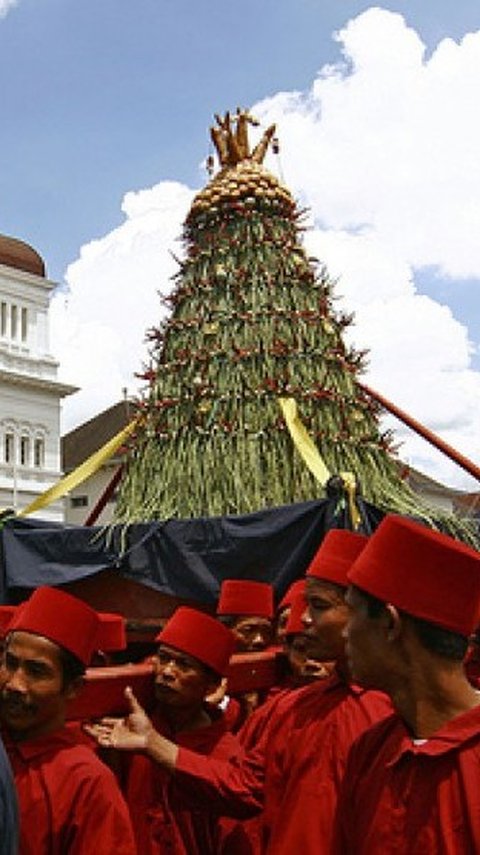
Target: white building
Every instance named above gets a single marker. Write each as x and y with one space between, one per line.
77 446
30 393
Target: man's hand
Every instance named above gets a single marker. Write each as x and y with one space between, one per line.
127 734
135 732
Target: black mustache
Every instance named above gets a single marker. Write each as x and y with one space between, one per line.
14 702
159 684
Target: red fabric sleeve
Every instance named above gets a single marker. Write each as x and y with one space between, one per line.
234 787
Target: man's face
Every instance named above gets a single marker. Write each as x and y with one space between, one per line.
324 620
364 643
252 633
32 694
180 680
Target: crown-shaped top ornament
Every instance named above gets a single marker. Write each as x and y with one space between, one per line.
230 138
242 180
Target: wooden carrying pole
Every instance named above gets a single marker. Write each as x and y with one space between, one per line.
104 498
427 434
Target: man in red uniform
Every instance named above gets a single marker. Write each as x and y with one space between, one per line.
304 667
246 607
193 654
299 668
313 729
69 802
412 782
284 608
303 670
298 764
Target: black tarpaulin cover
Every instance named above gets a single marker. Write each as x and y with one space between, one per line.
183 558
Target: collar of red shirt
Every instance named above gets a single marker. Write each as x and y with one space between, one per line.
31 748
457 732
67 736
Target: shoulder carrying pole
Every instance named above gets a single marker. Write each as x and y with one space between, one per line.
427 434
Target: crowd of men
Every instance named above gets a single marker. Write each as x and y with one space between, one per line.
370 743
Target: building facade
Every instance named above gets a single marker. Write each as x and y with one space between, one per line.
77 446
30 393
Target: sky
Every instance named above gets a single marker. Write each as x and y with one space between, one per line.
106 106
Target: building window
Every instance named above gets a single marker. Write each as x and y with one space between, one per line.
13 321
78 501
38 453
24 451
9 448
3 319
24 324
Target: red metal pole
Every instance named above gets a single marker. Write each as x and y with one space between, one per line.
427 434
107 493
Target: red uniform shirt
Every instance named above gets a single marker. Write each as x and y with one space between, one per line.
250 832
164 818
413 799
307 753
299 762
69 802
251 732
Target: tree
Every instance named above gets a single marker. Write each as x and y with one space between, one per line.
252 320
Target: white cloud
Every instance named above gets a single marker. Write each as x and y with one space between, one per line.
389 169
98 330
384 150
5 6
390 140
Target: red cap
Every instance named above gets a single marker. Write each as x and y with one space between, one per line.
426 574
245 597
201 636
338 550
111 633
7 613
294 622
61 618
294 589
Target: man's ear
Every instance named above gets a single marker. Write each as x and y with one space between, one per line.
393 622
73 688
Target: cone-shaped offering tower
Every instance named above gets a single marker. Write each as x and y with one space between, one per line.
252 321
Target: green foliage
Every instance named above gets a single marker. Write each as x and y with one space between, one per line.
251 319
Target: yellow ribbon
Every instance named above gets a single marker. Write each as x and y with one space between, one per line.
303 441
350 483
312 457
81 473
